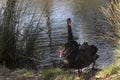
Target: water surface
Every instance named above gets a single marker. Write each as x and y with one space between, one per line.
86 25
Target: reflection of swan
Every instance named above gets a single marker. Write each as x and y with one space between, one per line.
76 56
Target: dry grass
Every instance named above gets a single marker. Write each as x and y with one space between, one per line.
112 14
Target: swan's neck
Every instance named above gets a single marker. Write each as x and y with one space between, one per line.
70 35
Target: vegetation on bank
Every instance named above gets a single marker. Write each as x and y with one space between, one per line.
58 74
112 14
18 36
19 74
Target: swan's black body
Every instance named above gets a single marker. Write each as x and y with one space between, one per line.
76 56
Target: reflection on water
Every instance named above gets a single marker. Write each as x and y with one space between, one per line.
85 25
85 20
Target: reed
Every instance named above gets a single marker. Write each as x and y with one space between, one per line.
19 29
112 14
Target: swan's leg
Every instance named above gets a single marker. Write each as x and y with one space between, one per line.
93 66
79 72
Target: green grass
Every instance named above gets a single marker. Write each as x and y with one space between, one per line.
66 77
59 74
51 72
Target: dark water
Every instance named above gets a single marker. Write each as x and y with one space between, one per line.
87 26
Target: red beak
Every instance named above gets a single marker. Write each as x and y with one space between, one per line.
61 52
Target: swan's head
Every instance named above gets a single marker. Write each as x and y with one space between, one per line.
62 49
68 48
68 21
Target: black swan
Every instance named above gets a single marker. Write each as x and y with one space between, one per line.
76 56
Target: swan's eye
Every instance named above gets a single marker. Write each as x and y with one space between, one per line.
62 48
